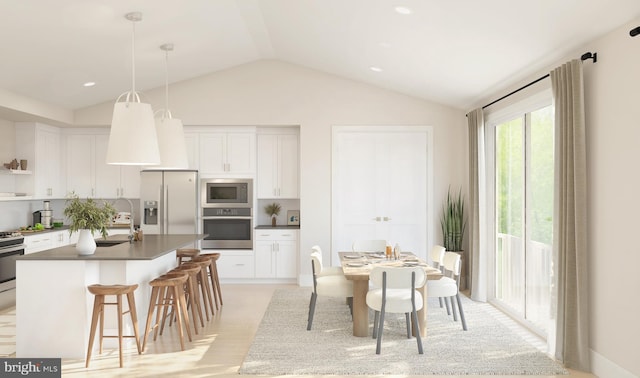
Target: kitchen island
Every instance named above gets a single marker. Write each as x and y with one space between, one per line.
54 307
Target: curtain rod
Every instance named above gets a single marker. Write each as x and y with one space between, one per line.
585 56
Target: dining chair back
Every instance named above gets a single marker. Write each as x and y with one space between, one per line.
448 286
327 285
323 270
395 292
437 257
369 246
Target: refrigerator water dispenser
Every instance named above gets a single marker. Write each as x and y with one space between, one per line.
150 212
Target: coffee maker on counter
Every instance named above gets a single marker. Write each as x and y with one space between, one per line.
44 216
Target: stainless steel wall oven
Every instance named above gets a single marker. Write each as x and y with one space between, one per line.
227 228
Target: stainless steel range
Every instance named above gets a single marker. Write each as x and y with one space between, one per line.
11 246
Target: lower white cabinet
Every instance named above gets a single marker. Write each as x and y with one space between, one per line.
38 242
276 253
234 264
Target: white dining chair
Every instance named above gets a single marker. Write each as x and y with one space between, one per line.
326 270
437 256
327 285
369 246
395 292
448 286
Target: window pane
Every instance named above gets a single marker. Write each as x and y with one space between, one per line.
540 218
510 259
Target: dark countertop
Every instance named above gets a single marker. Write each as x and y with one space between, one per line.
151 247
270 227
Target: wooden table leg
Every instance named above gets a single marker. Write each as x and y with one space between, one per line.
422 313
360 308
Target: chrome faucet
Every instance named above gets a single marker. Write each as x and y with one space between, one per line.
131 231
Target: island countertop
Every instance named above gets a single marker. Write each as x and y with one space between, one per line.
149 248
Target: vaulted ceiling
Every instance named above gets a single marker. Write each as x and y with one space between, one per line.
450 52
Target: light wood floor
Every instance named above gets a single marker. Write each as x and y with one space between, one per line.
217 352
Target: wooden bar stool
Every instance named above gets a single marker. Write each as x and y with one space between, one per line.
186 253
193 300
167 291
100 291
205 264
213 275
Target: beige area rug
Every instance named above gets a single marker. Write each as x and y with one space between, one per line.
8 332
283 346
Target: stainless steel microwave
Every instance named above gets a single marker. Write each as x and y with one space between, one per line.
226 192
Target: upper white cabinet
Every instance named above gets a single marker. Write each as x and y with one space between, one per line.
41 145
191 141
90 176
80 166
277 175
227 153
113 181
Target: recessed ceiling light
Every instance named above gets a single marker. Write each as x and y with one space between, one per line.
375 69
403 10
89 84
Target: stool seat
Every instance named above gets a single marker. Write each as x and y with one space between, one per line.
100 291
167 291
189 253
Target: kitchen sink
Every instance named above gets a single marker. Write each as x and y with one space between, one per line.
109 243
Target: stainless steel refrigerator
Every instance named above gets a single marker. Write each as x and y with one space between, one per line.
169 202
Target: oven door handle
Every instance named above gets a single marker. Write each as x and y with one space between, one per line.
225 217
13 248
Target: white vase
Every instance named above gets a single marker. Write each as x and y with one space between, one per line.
86 245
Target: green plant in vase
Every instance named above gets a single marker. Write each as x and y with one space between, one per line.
88 217
273 210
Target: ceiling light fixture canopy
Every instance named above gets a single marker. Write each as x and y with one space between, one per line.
133 139
173 149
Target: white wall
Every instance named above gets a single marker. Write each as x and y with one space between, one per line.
277 93
612 100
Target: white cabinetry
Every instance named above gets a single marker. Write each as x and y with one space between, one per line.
276 253
80 165
227 153
235 264
38 242
191 141
114 181
277 175
89 175
41 146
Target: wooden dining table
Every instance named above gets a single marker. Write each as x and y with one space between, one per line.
357 266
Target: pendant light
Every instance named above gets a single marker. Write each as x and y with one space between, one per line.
133 139
173 149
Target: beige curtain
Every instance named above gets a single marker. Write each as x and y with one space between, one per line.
570 223
477 203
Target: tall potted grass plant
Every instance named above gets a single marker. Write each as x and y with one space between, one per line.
453 222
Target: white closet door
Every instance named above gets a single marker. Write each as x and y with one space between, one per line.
381 187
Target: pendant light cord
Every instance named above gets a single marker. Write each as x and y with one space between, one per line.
133 57
166 84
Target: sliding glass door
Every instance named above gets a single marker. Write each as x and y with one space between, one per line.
524 215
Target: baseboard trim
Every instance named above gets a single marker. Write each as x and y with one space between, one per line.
602 367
